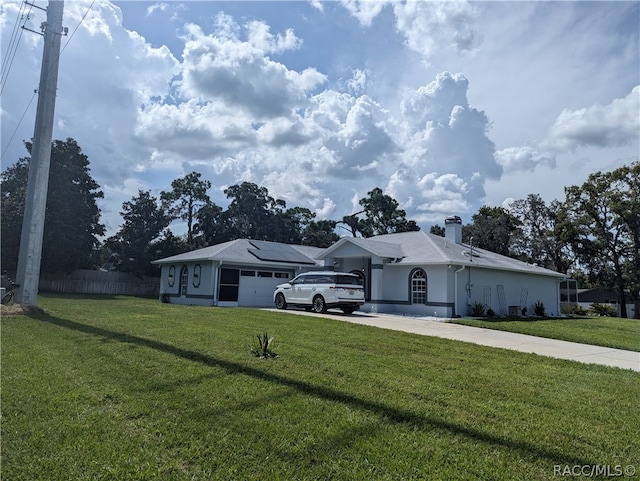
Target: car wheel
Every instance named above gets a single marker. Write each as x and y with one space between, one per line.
281 303
319 305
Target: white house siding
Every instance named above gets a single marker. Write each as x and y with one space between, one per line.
397 291
199 289
520 290
255 287
359 264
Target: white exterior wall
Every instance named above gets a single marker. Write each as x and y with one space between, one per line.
200 292
397 291
349 265
484 289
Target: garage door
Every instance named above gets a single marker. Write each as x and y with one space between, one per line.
256 287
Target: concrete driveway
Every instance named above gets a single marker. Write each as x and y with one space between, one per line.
572 351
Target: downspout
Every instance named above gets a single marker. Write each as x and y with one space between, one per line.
455 290
216 276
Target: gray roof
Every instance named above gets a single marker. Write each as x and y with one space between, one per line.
239 252
422 248
405 248
375 247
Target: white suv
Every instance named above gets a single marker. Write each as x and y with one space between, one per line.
320 291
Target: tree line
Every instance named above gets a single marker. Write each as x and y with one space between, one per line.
593 235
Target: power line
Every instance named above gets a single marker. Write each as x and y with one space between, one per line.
78 26
59 55
14 41
19 122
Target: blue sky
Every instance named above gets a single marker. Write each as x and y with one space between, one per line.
445 106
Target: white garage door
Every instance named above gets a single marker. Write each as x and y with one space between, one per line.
256 287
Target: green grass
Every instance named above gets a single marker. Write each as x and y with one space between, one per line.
131 389
599 331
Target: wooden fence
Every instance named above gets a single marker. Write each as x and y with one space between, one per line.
100 282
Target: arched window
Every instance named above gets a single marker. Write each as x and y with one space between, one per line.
418 287
184 280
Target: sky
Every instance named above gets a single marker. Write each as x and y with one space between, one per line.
445 106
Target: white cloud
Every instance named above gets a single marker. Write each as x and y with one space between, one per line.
612 125
244 101
317 4
445 132
426 26
434 101
430 26
365 10
358 82
156 7
617 123
524 159
239 73
429 197
260 37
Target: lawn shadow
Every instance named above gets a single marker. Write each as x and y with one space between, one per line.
96 297
386 412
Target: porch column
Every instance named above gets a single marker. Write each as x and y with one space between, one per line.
377 282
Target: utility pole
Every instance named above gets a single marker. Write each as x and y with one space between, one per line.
28 273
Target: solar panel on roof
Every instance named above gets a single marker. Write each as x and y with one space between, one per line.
271 251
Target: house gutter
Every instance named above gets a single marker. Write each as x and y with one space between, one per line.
455 290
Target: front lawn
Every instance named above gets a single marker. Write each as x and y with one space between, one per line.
124 388
599 331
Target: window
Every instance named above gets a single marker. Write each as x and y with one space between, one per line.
171 279
184 280
281 275
229 281
356 281
248 273
265 274
197 271
418 287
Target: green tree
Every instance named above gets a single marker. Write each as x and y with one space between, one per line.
72 219
211 225
383 215
541 235
625 203
133 245
253 213
168 245
491 229
12 194
604 212
320 233
186 196
352 223
437 230
293 223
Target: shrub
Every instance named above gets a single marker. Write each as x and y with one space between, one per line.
262 347
579 310
538 309
491 313
478 309
605 310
